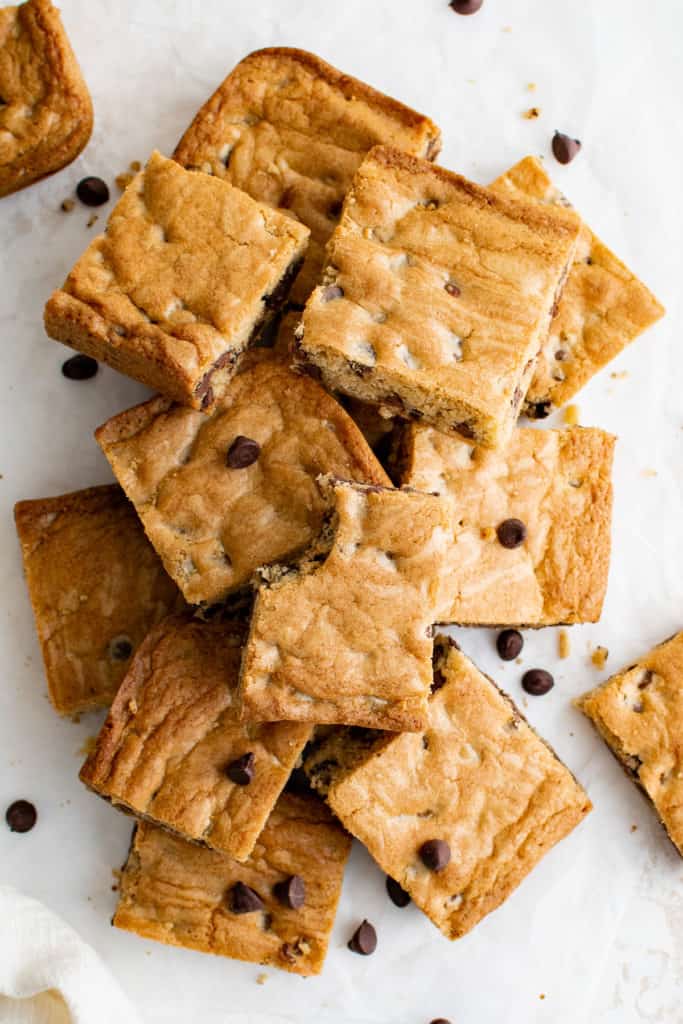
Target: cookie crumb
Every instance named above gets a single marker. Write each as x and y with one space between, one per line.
571 415
88 746
649 472
261 979
563 644
542 995
532 113
68 205
531 87
123 180
135 166
619 375
634 828
92 219
599 657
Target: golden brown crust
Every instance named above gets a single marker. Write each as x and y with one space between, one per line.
437 296
345 637
214 526
639 714
477 777
603 306
290 130
45 108
172 293
172 731
93 578
174 892
559 484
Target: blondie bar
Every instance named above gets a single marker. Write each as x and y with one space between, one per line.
221 494
172 750
291 131
460 813
186 275
345 636
96 586
437 296
45 108
558 484
602 308
186 895
639 714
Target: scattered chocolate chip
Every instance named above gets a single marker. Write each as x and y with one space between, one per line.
646 680
397 894
241 770
435 854
465 429
511 533
333 291
92 191
539 410
440 1020
242 452
21 816
561 355
452 288
120 648
80 368
565 148
291 893
243 900
509 644
639 708
537 682
466 6
363 940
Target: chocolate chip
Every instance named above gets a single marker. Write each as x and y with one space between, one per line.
565 148
646 680
539 410
291 893
333 291
335 209
452 288
241 770
243 900
440 1020
509 644
120 648
397 894
435 854
21 816
537 682
242 452
466 6
561 355
92 191
511 533
80 368
363 940
465 429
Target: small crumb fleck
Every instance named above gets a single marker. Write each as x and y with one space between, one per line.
542 995
532 113
519 661
92 219
135 166
68 205
649 472
571 415
619 375
563 644
123 181
599 657
88 746
531 87
634 828
261 979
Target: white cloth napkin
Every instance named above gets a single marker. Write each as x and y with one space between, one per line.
48 974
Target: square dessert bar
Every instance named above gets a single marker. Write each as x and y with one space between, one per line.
291 131
96 586
185 895
557 484
460 813
437 296
639 714
222 493
345 636
186 275
172 750
45 108
602 308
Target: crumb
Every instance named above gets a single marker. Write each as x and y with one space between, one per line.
88 746
532 113
531 87
261 979
114 888
542 995
135 166
487 533
571 415
649 472
619 375
123 181
563 645
634 828
133 706
571 734
518 661
506 28
68 205
599 657
92 219
76 718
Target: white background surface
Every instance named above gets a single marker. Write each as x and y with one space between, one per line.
598 928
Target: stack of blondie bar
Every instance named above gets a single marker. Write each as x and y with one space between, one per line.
343 336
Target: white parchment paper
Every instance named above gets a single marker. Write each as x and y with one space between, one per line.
597 930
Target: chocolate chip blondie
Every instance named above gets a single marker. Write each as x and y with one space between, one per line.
291 131
639 714
557 484
344 636
224 493
437 296
461 812
277 908
96 586
602 308
45 108
172 750
185 277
